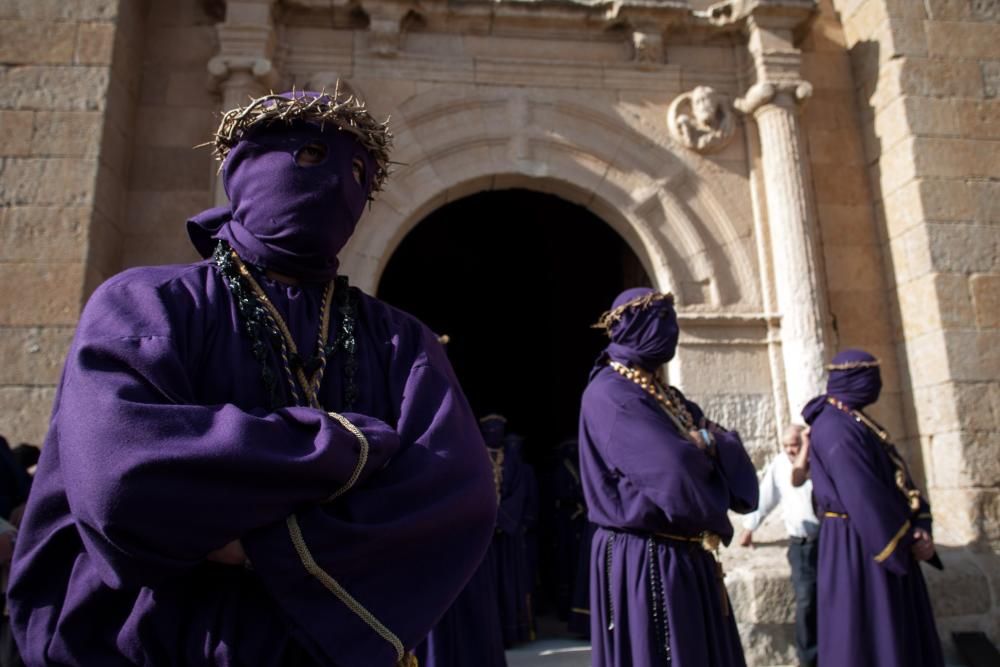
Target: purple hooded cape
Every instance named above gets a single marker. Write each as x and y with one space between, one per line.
651 597
361 529
874 609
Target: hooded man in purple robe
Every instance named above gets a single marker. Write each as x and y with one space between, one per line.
249 461
875 528
508 540
659 479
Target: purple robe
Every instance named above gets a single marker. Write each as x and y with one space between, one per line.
469 632
641 478
874 609
569 528
509 547
160 451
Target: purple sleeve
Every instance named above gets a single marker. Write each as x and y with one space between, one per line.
875 506
736 467
732 459
366 577
156 482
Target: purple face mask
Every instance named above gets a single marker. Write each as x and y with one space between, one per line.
645 337
289 216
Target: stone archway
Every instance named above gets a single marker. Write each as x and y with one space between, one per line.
690 239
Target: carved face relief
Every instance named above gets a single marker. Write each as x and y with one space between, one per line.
701 120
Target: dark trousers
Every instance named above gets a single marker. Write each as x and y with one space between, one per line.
802 557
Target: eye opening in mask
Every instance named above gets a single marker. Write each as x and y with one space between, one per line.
312 154
358 169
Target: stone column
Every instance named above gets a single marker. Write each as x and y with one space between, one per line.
244 66
773 104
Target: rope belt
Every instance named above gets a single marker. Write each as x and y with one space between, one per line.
710 542
835 515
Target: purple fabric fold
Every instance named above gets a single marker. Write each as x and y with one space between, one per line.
160 451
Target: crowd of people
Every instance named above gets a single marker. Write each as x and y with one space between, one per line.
252 462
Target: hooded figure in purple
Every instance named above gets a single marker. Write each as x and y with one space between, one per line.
250 462
875 528
470 631
508 548
659 479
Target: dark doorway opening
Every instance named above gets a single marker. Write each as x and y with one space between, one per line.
515 278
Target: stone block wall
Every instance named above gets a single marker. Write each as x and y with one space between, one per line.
926 78
67 75
177 109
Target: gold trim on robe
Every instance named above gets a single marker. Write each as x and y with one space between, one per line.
313 568
362 457
893 543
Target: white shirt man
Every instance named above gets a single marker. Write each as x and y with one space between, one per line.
801 525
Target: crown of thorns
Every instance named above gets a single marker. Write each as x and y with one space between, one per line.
347 113
851 365
609 318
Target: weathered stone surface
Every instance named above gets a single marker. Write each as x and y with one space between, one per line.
66 134
986 300
36 42
95 43
48 233
167 169
962 588
60 10
33 356
963 39
991 78
53 88
189 127
964 248
24 413
31 181
40 294
15 132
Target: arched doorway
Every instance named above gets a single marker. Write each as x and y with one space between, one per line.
515 278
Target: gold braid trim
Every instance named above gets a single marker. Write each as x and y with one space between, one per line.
851 365
310 385
345 113
893 543
362 457
608 319
313 568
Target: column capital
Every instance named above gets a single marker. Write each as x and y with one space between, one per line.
784 93
247 45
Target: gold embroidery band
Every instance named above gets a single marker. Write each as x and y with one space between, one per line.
835 515
925 515
362 457
313 568
893 543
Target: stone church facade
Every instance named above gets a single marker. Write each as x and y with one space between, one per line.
804 175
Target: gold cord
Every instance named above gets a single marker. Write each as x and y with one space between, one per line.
309 385
666 397
900 475
313 568
362 456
